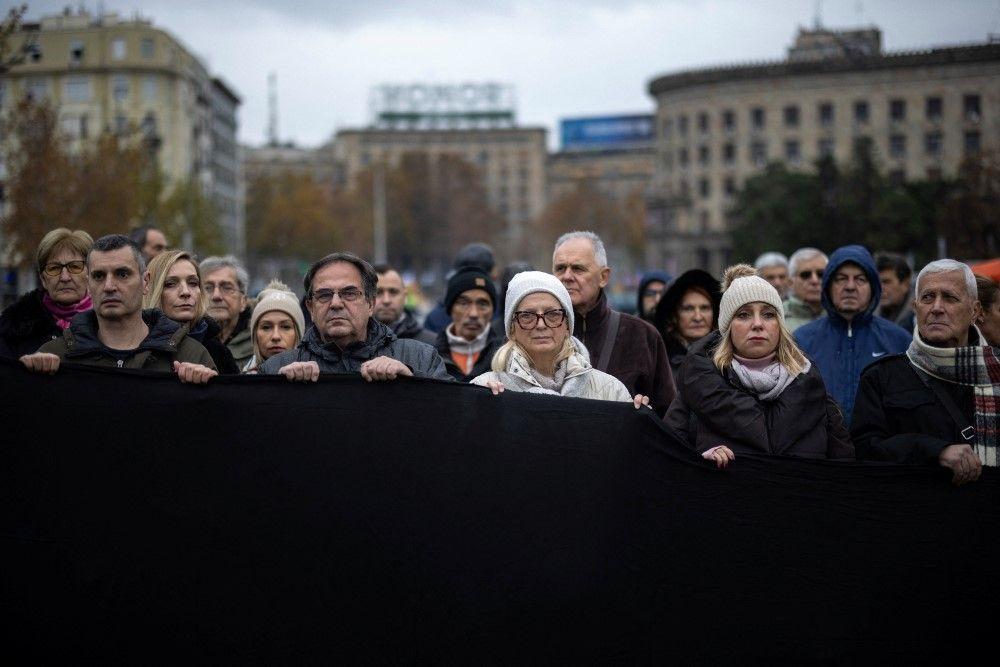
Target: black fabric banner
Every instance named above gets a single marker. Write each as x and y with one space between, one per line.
256 521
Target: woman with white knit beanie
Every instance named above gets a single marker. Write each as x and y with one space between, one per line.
748 388
276 324
540 355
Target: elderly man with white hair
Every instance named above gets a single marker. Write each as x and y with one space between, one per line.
939 403
805 272
773 267
619 344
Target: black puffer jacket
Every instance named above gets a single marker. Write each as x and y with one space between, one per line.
26 325
422 359
408 327
713 409
206 332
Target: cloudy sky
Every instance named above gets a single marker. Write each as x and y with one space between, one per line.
564 57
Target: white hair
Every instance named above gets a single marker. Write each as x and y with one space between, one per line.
210 264
804 255
947 266
600 254
770 259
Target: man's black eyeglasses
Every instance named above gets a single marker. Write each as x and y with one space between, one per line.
347 295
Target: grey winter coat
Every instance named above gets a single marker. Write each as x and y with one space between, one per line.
421 358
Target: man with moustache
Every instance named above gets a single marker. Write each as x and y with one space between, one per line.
344 337
468 344
117 333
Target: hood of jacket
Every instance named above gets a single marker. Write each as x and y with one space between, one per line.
650 277
379 336
859 255
164 334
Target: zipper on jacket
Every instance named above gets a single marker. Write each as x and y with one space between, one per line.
849 331
120 363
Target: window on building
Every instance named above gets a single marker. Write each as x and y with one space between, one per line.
757 118
704 188
862 145
484 157
970 108
148 126
33 52
729 153
972 142
934 109
897 146
146 47
791 115
3 92
76 52
70 126
897 177
118 49
758 153
668 128
897 110
826 114
729 186
861 114
825 148
793 155
366 158
668 160
729 121
84 129
705 221
682 157
149 89
119 88
37 89
682 125
77 89
704 155
703 122
685 190
932 144
121 124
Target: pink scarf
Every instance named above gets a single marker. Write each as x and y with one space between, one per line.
64 314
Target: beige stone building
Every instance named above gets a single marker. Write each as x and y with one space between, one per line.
923 112
510 159
616 173
105 73
272 160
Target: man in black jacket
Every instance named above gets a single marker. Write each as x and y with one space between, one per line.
921 406
390 307
468 344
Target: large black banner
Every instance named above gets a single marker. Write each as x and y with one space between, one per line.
256 521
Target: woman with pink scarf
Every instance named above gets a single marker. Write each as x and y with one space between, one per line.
43 313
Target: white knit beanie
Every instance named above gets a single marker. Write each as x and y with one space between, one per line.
529 282
277 296
742 285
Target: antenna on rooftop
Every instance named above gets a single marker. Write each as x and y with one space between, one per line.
272 108
818 16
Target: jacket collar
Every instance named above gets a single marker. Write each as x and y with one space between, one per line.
595 318
164 334
378 337
518 365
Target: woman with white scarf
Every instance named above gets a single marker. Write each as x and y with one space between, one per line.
540 355
749 389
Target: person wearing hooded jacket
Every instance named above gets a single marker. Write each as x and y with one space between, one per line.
688 312
747 388
851 337
345 337
652 287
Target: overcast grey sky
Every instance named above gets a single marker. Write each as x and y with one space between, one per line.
565 58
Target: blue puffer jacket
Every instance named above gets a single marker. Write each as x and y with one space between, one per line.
842 349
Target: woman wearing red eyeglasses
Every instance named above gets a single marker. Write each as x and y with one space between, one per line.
43 313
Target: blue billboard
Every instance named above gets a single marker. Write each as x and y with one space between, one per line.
606 132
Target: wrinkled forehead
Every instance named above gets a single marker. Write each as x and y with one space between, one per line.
225 274
947 282
575 251
337 276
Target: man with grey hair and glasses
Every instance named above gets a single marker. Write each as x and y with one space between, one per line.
939 403
344 337
224 281
805 302
619 344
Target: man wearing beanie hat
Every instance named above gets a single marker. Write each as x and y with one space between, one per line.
468 344
851 336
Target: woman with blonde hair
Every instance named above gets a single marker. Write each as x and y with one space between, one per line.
748 388
540 355
174 287
44 313
276 325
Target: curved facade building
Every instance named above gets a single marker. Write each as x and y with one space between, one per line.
923 112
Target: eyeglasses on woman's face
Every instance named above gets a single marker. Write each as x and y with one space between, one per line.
53 269
529 320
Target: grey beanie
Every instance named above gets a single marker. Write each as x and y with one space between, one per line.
529 282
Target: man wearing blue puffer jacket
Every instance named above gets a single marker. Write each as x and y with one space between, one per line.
852 337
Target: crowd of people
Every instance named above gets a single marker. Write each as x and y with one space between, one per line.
846 356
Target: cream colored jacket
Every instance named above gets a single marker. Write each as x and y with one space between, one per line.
582 380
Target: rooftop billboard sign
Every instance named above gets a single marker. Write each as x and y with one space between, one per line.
606 132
